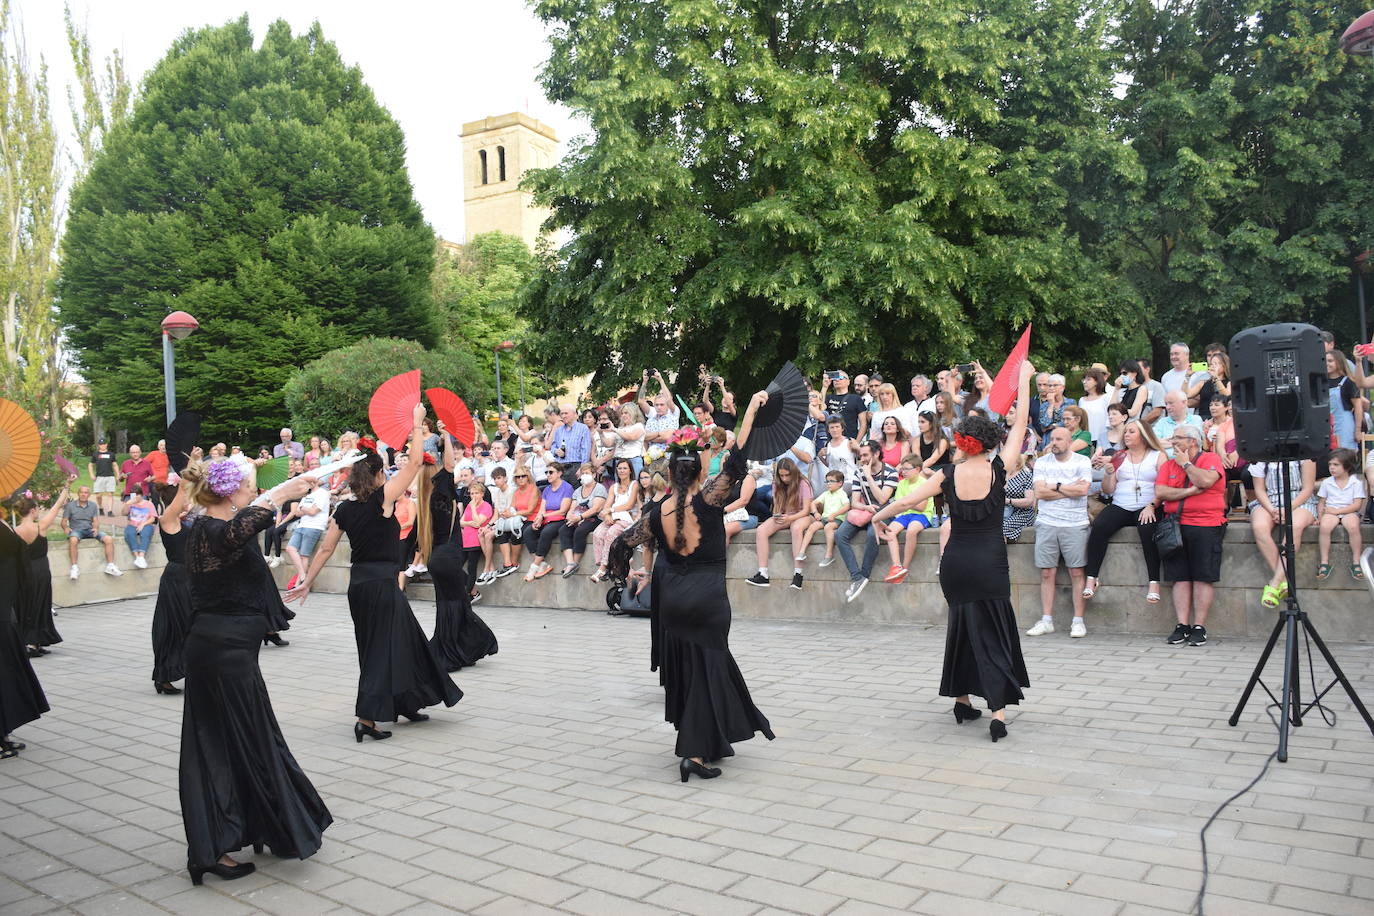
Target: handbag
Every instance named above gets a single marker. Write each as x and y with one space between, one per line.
1169 532
860 517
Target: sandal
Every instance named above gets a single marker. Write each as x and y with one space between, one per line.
1270 597
1356 573
1152 596
1323 570
1091 588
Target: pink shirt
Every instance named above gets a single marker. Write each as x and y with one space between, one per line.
476 512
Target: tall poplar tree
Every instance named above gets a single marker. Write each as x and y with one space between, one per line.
263 190
877 182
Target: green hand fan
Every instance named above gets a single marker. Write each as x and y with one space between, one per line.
273 472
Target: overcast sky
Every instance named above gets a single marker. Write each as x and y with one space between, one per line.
433 64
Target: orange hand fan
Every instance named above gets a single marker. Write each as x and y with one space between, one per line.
451 409
19 447
390 409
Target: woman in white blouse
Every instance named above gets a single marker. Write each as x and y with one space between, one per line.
1128 477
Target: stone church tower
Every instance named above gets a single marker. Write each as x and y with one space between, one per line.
496 153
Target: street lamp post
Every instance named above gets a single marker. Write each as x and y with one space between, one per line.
504 345
175 326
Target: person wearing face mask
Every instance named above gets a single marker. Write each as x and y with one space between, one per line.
585 515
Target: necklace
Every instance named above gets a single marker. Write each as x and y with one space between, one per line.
1135 471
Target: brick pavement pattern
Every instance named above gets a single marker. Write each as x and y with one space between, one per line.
552 786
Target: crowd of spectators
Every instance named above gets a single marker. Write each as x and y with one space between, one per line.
1126 453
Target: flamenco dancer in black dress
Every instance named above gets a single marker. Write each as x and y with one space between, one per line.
461 638
982 643
172 613
37 628
398 672
21 696
239 783
704 692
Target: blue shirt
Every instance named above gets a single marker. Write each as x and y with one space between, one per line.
577 441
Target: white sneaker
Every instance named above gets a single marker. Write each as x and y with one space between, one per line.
75 573
827 561
140 563
855 587
112 570
1078 627
410 571
1041 628
420 568
274 562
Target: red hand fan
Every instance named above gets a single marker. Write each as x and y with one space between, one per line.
391 409
67 467
451 409
1008 381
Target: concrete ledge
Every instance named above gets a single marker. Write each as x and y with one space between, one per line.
1340 607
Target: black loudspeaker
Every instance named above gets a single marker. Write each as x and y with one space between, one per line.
1279 393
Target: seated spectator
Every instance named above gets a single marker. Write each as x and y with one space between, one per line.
921 401
1052 407
1080 438
80 520
1195 478
498 458
1019 511
475 520
931 445
886 405
1181 374
874 484
141 522
1129 479
525 435
287 447
892 440
1110 442
550 514
1219 431
791 512
1155 390
1133 392
589 498
603 449
316 454
1176 414
1340 500
506 527
525 503
1268 510
946 414
737 515
912 522
714 454
1094 403
827 512
617 514
979 396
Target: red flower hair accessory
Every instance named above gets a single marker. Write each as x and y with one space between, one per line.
967 444
367 442
429 459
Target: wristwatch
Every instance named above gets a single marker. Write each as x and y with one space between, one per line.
1186 465
1056 485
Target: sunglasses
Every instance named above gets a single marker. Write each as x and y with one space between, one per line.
522 477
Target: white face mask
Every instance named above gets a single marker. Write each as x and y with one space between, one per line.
586 479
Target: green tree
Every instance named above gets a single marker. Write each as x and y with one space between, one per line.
331 394
476 293
265 192
1253 133
876 182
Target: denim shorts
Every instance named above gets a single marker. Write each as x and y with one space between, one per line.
303 539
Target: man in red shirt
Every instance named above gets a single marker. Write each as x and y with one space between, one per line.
136 472
158 461
1199 480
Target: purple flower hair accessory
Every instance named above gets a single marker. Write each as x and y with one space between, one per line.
224 477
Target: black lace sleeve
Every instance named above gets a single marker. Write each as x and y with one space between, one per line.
718 489
623 547
223 542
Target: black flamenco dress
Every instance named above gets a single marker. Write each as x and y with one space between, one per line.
398 671
705 695
982 643
461 638
239 783
172 613
21 696
36 623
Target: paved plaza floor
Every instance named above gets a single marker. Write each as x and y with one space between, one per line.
552 787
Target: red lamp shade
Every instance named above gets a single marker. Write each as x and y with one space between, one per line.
179 324
1359 38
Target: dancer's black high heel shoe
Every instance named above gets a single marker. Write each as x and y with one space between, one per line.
166 688
689 767
225 872
361 731
963 712
416 716
998 729
275 639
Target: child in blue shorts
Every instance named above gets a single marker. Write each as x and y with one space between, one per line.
910 522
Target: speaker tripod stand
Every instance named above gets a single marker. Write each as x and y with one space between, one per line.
1291 708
